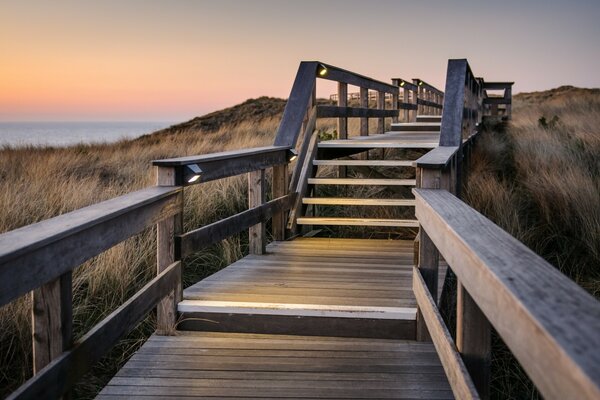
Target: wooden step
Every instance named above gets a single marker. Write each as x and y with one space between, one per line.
429 118
397 223
382 143
416 127
345 201
360 181
368 163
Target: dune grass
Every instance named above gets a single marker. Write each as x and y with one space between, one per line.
541 183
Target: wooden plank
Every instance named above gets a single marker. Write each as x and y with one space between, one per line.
347 201
458 377
522 296
364 104
440 157
353 112
496 100
227 156
396 223
367 163
474 340
72 238
295 109
257 234
382 143
351 78
52 320
454 102
166 229
497 85
361 181
199 238
306 171
302 153
342 122
279 189
61 374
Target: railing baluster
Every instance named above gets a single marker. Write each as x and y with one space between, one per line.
52 320
256 197
166 229
279 188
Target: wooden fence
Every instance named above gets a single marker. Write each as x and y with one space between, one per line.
549 323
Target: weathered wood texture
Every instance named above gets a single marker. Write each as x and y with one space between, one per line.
342 122
279 188
257 234
531 304
305 171
458 376
315 286
225 365
353 112
52 320
200 238
229 163
440 157
166 230
39 253
60 375
454 100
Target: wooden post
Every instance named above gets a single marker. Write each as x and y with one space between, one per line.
256 197
52 320
279 188
428 257
342 123
508 96
381 106
395 99
415 94
473 340
406 100
364 103
166 317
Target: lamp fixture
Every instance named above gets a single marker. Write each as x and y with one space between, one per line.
191 173
292 155
322 70
402 83
420 83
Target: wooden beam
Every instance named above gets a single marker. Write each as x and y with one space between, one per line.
353 112
351 78
257 234
295 109
342 123
307 170
381 107
40 253
454 101
166 255
556 341
279 189
52 320
60 375
438 158
200 238
456 372
228 163
474 340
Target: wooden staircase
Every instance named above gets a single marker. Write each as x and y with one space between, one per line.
320 208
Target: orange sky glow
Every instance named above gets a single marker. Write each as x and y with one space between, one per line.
171 61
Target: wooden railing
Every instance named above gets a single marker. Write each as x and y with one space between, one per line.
40 258
500 281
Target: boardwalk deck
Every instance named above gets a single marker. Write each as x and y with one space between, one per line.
226 365
311 286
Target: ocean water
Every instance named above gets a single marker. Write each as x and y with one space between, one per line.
70 133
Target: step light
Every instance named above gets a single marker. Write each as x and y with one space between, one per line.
322 70
402 83
191 173
292 155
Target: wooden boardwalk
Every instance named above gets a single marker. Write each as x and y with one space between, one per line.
229 365
318 317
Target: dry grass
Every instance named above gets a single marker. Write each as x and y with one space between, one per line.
39 183
542 185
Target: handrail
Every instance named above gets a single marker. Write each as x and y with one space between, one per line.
36 254
543 317
438 158
226 164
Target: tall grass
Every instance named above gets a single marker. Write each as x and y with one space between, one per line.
39 183
542 185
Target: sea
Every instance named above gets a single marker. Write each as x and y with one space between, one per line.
62 134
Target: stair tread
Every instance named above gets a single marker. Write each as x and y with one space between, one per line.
361 181
390 142
356 201
358 221
372 163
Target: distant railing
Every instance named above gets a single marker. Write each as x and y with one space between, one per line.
500 281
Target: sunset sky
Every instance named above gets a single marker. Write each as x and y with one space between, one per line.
173 60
